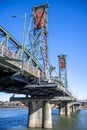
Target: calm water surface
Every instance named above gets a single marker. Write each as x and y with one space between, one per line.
16 119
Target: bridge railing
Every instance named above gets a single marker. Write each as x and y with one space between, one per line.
29 68
65 90
7 53
63 98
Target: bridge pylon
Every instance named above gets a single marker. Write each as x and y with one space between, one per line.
37 36
63 70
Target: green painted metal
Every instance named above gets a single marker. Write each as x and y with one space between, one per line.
16 47
23 42
37 40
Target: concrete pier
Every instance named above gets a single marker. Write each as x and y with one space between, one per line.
68 109
62 108
39 114
76 108
35 113
47 115
73 109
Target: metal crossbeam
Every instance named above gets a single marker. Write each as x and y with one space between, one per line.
10 59
11 56
17 46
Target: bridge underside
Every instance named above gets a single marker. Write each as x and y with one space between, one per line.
26 77
43 90
12 80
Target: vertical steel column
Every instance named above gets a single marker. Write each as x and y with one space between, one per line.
62 70
38 37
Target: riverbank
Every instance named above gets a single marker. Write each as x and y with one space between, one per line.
18 104
83 107
15 104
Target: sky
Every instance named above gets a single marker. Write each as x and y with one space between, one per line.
67 34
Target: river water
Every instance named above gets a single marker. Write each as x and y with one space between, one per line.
16 119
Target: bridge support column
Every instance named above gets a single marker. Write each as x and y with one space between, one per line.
47 115
73 109
62 108
76 108
35 113
68 109
39 114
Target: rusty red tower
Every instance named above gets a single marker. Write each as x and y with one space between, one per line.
62 70
38 36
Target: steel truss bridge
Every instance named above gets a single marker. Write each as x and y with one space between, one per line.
25 69
30 80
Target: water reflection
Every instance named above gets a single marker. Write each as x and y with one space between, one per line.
16 119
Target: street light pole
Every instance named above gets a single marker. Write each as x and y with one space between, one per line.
23 39
23 43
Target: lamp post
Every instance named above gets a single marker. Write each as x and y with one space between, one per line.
23 39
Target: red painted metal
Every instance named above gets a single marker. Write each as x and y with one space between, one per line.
39 18
62 64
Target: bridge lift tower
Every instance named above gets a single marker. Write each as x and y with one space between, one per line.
62 70
37 37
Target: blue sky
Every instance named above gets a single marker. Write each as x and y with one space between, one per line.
67 34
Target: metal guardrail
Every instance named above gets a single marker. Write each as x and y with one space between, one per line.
4 52
65 90
64 98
